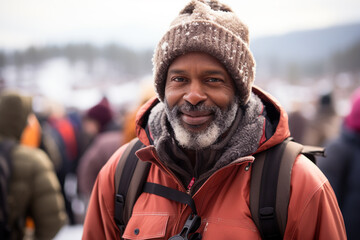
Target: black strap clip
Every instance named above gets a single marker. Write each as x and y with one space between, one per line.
191 225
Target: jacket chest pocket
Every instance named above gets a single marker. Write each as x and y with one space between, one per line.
146 226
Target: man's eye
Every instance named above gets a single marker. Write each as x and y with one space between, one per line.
178 79
214 80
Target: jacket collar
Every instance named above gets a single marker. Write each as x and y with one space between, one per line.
281 127
248 137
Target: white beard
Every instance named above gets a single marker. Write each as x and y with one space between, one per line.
195 141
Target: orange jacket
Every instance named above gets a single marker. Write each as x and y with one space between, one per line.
31 136
222 202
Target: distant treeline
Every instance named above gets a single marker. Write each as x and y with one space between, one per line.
135 63
294 70
138 63
348 60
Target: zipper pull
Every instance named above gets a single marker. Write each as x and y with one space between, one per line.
190 185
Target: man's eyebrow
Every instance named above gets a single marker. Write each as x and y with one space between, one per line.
208 72
216 72
176 71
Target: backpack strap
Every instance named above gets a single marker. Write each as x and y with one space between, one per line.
132 174
311 152
6 147
270 188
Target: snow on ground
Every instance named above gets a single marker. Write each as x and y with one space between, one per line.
72 84
70 233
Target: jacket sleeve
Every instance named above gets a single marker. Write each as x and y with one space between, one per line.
99 221
94 158
313 209
88 169
47 206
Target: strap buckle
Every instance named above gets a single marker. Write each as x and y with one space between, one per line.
191 225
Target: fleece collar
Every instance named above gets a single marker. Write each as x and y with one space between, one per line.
242 140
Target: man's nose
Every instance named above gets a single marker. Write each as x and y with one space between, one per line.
195 94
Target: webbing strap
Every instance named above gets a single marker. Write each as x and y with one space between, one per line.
291 152
6 147
129 161
270 188
255 183
267 195
171 194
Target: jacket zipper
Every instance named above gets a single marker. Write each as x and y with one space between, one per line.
184 207
190 185
188 191
249 160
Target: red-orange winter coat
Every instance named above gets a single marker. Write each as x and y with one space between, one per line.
222 201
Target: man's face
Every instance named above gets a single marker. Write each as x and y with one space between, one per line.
200 99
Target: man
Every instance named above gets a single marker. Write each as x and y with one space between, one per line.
206 125
341 167
34 190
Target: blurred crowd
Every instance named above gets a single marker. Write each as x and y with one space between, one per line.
323 125
78 143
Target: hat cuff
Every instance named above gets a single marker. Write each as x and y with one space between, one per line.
205 36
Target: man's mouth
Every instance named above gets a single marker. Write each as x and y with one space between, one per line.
196 118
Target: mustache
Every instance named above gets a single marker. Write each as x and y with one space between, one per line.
198 107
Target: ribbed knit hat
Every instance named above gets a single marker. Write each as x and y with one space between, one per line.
101 112
14 111
213 28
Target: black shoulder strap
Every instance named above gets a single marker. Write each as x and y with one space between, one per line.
6 147
171 194
270 188
130 176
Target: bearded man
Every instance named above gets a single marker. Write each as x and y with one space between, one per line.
200 136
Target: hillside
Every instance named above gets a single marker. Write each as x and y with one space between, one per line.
291 56
303 48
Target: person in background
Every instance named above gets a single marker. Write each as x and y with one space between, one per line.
64 134
99 118
201 134
342 165
325 124
35 135
102 138
34 190
106 143
147 92
298 123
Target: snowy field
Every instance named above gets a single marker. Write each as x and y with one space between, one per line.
70 233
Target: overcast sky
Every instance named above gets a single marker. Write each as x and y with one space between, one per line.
141 23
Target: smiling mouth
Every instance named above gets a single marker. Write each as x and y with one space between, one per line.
196 119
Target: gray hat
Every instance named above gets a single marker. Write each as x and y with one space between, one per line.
213 28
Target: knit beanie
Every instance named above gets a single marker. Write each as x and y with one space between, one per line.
101 113
352 120
213 28
14 111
